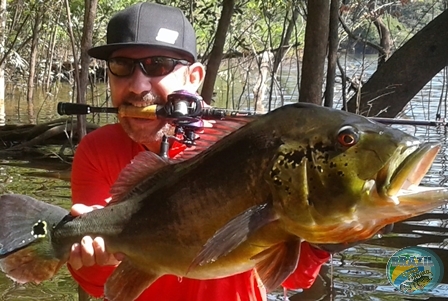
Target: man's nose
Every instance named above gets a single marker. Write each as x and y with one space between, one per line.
138 82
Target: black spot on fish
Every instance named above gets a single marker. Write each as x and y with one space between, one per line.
332 165
39 229
281 162
340 173
319 168
274 173
310 202
277 181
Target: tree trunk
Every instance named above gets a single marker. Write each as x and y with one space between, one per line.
32 62
86 44
385 41
216 53
333 43
3 17
260 86
383 32
50 54
316 42
286 36
406 72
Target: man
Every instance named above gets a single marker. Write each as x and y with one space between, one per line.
150 52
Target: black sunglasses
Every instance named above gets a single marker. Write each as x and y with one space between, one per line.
151 66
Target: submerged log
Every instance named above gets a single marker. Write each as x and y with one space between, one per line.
48 146
15 137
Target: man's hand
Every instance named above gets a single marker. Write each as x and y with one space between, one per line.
336 248
90 251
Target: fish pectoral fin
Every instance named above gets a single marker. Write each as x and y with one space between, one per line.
127 282
234 233
277 263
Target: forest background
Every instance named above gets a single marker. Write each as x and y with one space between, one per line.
241 42
250 49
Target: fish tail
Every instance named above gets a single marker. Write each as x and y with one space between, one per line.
26 250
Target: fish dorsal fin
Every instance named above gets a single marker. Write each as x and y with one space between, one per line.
146 164
275 264
213 131
141 167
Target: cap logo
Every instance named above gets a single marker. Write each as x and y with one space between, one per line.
167 36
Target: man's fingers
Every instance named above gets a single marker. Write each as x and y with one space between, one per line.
119 257
75 257
87 251
79 209
101 256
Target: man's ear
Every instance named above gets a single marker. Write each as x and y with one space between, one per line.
196 76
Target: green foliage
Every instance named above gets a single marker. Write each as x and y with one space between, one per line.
257 25
398 31
416 14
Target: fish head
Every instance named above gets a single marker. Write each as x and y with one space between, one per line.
340 177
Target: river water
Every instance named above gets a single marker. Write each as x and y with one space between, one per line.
359 273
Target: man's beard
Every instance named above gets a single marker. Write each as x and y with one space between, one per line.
147 132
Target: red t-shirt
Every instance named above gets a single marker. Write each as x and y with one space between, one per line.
100 157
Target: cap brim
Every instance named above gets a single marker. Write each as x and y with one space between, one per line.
105 51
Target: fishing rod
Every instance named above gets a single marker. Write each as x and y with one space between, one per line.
186 111
184 108
180 105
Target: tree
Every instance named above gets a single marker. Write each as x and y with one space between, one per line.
333 45
38 15
2 65
405 73
214 60
316 43
86 44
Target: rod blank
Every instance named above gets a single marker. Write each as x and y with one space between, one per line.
155 111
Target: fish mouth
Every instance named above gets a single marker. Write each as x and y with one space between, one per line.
396 194
405 171
392 196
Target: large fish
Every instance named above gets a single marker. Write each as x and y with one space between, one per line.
301 172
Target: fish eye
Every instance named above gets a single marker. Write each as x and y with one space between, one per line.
348 136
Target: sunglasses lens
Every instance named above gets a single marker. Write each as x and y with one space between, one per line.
121 66
158 66
151 66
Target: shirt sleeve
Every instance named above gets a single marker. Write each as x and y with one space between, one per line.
310 261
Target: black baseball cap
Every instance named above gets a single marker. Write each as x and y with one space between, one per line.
148 24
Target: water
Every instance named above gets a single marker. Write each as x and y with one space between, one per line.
359 273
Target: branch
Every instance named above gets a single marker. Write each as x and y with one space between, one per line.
359 39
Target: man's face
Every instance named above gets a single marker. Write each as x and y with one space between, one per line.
140 90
